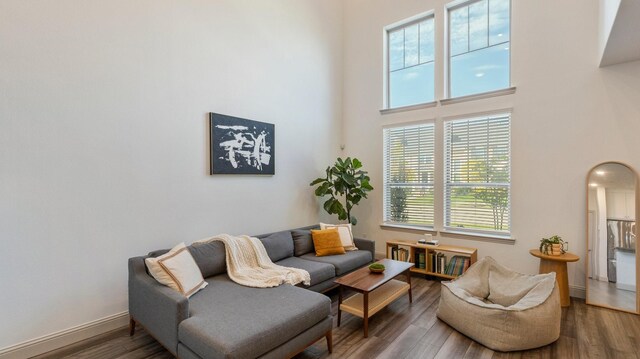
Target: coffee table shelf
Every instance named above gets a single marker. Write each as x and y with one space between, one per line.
378 299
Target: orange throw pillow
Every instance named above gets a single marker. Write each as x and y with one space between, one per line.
327 242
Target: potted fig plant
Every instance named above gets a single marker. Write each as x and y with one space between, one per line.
553 246
345 181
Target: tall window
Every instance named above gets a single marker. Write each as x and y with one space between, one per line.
477 174
479 47
408 175
410 57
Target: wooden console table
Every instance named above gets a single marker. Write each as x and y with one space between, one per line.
557 264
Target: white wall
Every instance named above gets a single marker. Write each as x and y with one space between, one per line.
104 142
568 115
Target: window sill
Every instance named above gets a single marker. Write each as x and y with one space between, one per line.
409 108
495 238
478 236
450 101
408 227
503 92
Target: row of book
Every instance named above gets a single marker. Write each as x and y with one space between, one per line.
420 259
457 265
400 254
454 266
437 263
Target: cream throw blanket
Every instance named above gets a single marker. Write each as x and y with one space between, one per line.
249 264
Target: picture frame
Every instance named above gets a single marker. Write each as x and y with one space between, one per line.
241 146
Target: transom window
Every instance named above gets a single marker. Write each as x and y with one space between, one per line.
479 38
410 58
478 174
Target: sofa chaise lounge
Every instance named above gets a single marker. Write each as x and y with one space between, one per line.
228 320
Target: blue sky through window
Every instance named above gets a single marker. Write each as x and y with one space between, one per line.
411 68
479 47
479 54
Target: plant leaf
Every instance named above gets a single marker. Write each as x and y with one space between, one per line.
324 189
349 179
328 203
317 180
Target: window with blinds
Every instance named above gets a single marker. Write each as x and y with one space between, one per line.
408 175
478 175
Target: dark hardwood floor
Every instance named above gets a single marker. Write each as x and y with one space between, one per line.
404 330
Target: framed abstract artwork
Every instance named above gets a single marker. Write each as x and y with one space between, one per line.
241 146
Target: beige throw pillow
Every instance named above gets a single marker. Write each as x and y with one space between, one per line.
178 270
346 236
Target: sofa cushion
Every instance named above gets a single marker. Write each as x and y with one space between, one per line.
345 232
278 245
319 271
210 257
344 263
327 242
177 270
302 242
233 321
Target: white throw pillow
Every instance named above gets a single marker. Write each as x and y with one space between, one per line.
178 270
346 236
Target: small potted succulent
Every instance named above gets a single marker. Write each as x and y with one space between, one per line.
553 246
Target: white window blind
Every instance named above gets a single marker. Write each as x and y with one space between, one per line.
408 175
478 174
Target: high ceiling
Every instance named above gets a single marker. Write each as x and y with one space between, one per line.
623 42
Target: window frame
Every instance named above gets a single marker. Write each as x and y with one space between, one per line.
447 63
387 59
503 235
432 185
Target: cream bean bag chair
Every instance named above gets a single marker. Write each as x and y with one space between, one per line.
502 309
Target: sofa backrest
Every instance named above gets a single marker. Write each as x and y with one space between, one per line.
279 245
302 242
211 257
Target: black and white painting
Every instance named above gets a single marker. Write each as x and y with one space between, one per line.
241 146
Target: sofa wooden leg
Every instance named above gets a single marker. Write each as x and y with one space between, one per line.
329 342
132 326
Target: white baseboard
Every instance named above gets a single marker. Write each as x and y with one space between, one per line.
65 337
577 291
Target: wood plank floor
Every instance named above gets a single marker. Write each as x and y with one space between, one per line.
404 330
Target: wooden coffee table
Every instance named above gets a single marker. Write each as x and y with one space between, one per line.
375 291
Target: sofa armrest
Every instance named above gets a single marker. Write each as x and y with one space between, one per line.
158 308
366 245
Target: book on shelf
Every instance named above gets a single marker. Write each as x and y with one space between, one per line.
442 262
420 259
438 262
399 254
457 265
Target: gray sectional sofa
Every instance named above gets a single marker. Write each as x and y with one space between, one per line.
228 320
